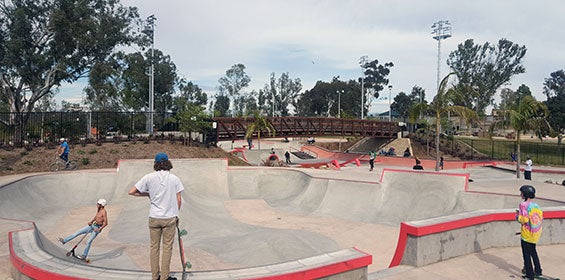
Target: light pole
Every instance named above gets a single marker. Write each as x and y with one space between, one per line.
362 61
339 92
441 30
150 31
389 106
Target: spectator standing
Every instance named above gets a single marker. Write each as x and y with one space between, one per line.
530 216
164 191
528 168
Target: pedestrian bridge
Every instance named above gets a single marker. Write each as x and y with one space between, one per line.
228 128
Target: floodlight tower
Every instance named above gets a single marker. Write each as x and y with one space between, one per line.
441 30
150 31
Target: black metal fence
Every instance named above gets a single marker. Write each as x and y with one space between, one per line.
48 127
542 153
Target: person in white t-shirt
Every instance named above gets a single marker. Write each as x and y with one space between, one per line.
164 191
528 169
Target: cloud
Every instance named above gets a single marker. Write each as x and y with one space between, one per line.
205 38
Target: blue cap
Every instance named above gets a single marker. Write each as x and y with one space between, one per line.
160 157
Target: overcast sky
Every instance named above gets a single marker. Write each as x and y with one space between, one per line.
317 40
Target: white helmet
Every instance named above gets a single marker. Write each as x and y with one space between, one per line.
102 202
62 139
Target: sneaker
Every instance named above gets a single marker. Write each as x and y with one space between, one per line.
81 257
61 240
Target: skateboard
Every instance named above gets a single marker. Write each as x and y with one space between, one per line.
540 277
72 251
79 258
544 277
184 262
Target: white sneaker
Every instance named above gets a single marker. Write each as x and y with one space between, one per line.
61 240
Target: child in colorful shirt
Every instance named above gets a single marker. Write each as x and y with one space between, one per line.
530 216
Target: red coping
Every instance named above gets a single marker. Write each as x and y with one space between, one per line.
325 270
406 229
29 270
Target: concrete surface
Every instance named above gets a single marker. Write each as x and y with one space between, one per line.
245 217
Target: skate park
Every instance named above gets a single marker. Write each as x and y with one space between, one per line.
272 223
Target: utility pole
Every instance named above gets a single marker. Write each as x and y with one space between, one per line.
150 31
362 61
441 30
389 105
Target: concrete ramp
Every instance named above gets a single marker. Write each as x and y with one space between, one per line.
245 217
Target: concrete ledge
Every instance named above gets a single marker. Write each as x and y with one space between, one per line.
31 260
432 240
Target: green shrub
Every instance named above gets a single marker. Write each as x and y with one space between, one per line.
93 151
85 160
81 152
27 162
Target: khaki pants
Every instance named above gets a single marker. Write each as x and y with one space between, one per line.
165 229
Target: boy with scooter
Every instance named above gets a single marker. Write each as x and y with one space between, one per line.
94 227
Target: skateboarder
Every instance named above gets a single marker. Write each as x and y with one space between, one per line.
94 227
164 191
530 216
372 156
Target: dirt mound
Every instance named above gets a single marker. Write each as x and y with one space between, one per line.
106 155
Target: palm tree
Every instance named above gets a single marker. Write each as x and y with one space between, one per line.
528 115
261 123
441 106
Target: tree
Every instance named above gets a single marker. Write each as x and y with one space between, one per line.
555 84
403 102
481 70
232 85
528 115
122 83
374 79
510 98
401 105
280 94
441 106
192 118
222 105
192 93
44 43
554 89
260 124
288 90
322 99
